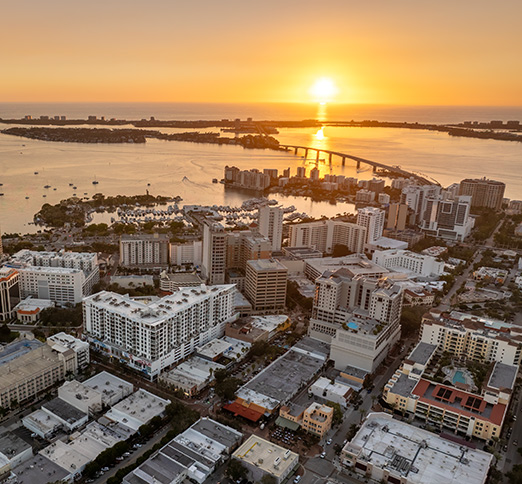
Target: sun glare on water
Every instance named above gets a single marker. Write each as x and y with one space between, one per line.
324 90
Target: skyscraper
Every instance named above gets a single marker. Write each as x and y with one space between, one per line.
271 225
214 255
484 193
373 219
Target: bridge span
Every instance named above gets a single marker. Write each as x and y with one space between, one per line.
392 169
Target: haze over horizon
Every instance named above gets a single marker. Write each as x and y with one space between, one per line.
401 53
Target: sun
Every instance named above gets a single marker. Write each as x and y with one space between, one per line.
323 90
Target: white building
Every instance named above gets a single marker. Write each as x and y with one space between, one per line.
137 409
214 256
28 310
415 197
448 219
144 250
388 450
151 335
473 337
355 265
63 277
373 219
407 261
262 457
81 396
61 342
270 224
187 253
324 235
9 292
193 454
112 388
332 392
359 317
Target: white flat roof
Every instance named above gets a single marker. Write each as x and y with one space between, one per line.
43 421
263 454
65 456
421 456
109 385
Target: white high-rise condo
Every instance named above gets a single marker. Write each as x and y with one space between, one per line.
373 219
271 225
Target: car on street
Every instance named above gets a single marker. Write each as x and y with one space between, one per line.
297 479
515 443
323 455
329 441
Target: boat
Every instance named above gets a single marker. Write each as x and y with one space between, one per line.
47 186
44 196
36 173
27 198
71 184
54 189
148 184
1 194
74 188
214 180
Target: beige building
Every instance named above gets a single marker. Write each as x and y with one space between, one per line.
262 457
144 250
484 192
265 285
473 337
214 255
29 368
317 419
9 292
324 235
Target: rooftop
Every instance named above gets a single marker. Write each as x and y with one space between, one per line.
282 379
354 264
42 421
267 456
157 310
17 349
64 410
503 376
33 305
416 454
300 253
11 445
422 353
109 386
262 265
68 341
39 469
66 456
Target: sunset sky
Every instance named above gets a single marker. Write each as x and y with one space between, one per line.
448 52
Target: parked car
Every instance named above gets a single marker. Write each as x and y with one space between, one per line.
323 455
297 479
104 469
328 442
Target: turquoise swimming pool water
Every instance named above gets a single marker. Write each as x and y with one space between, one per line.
352 325
459 377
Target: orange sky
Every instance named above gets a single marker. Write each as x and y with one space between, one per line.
402 52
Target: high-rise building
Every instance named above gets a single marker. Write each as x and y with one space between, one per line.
324 235
244 246
358 316
415 197
186 253
483 192
301 172
214 260
144 250
62 277
448 219
314 174
150 337
265 285
271 225
397 216
373 220
9 292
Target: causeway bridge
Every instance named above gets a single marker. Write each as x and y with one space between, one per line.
344 156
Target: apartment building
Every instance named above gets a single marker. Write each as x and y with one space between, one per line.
214 256
270 224
9 292
473 337
144 250
484 193
150 335
29 367
410 262
62 277
358 316
373 219
187 253
324 235
265 285
447 218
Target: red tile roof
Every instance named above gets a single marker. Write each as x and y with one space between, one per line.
238 409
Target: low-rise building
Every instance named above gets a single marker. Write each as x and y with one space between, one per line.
70 417
42 424
28 311
331 391
137 409
490 275
29 368
256 328
61 342
388 450
193 454
317 419
418 297
112 388
279 382
81 396
174 281
13 449
354 265
262 457
410 262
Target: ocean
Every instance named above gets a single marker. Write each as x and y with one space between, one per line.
187 169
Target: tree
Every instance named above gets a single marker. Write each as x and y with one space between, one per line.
341 250
268 479
337 413
236 470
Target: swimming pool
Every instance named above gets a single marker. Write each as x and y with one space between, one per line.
458 377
